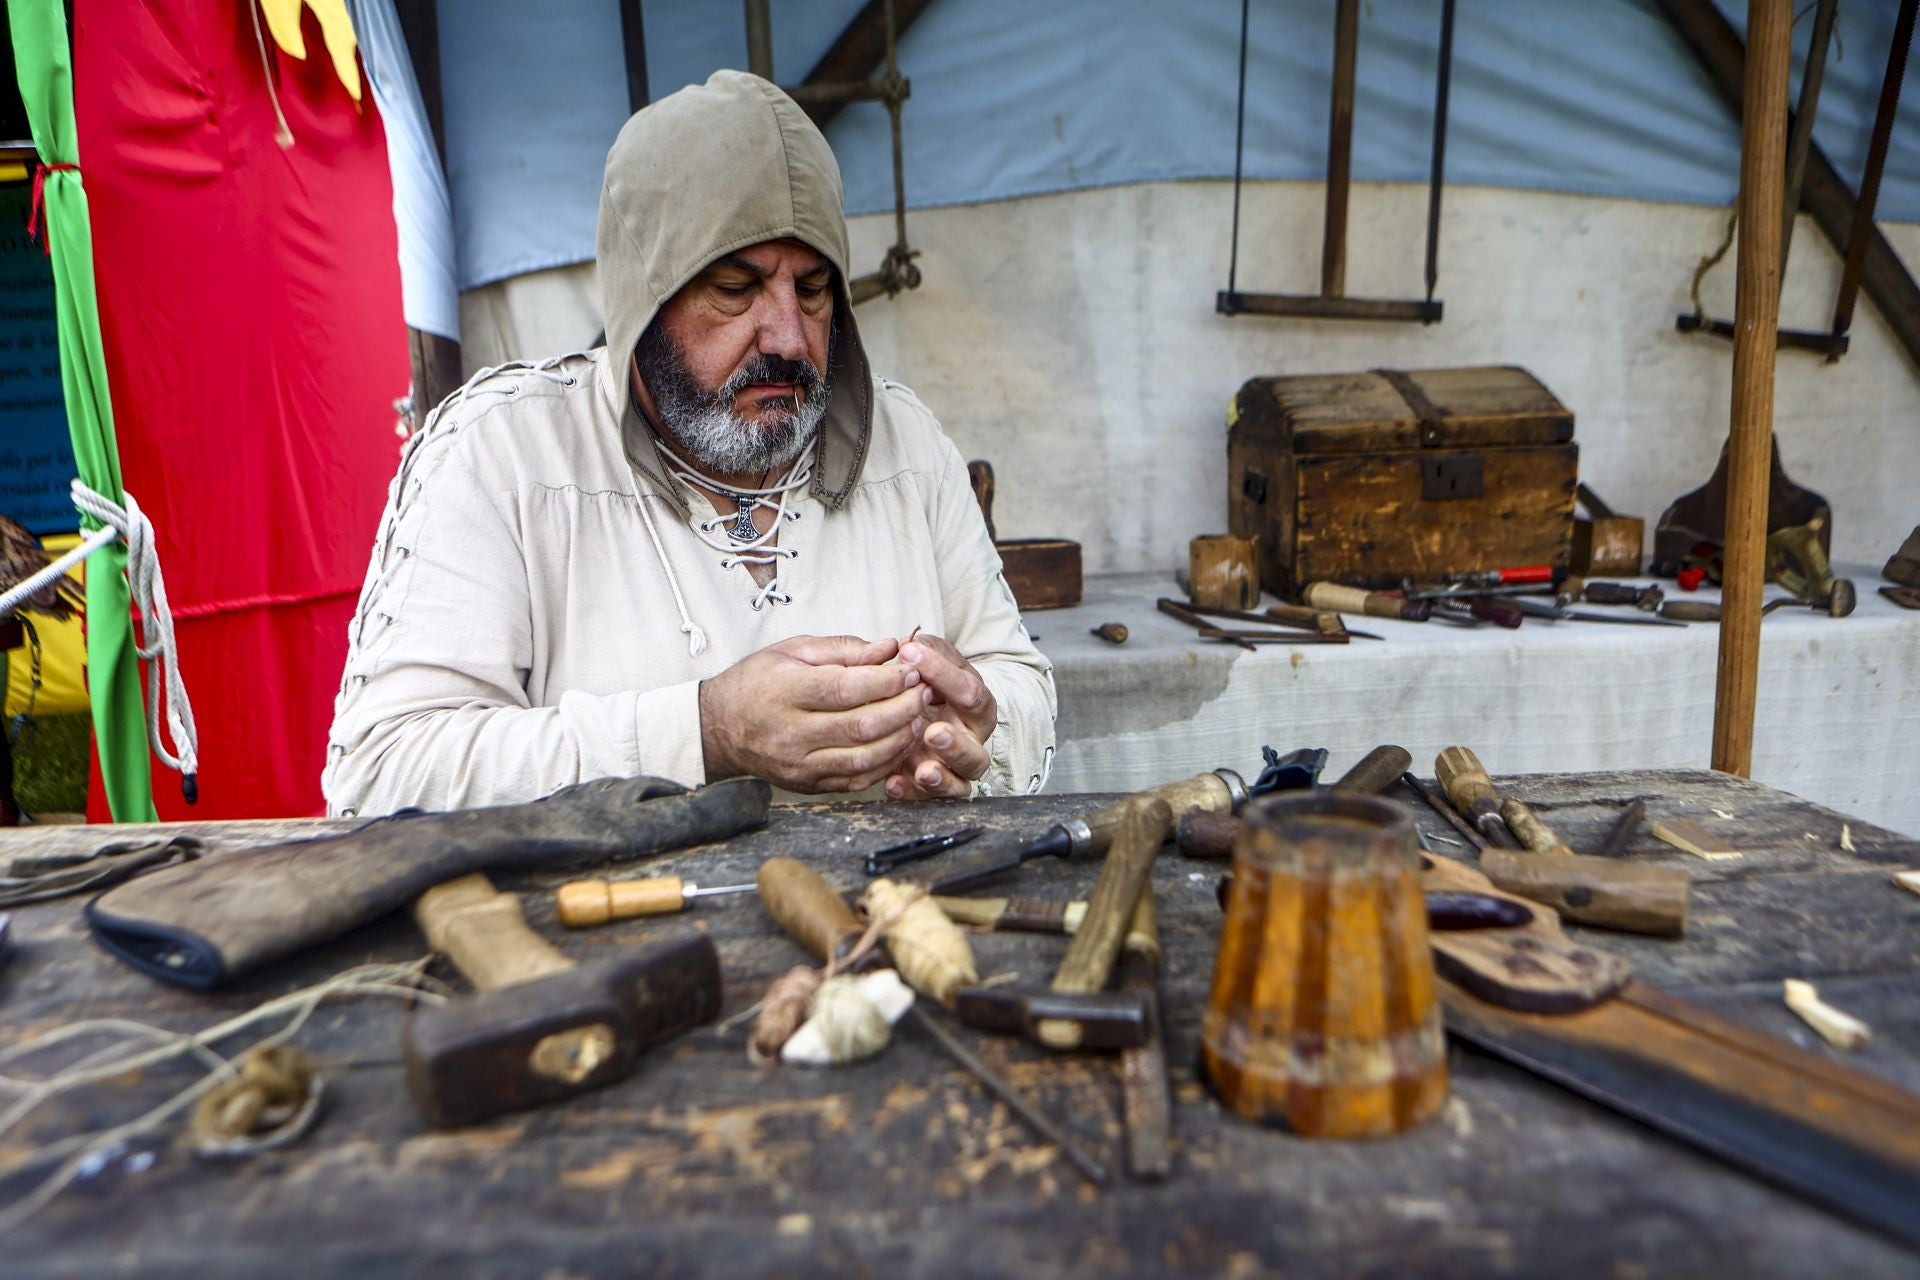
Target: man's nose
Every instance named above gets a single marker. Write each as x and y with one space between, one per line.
781 330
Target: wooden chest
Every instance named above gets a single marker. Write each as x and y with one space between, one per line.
1368 478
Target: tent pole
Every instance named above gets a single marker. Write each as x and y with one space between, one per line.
1756 318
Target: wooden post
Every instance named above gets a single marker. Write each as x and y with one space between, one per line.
1346 47
1763 157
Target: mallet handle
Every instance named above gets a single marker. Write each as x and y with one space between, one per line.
1110 910
485 933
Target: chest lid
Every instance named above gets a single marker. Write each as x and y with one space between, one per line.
1387 409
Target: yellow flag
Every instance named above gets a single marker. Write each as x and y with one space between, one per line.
283 21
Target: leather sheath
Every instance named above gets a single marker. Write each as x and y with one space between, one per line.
208 922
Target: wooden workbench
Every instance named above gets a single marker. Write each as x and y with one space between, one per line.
902 1166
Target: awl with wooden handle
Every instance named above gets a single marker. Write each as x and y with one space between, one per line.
1209 836
1470 788
583 904
1603 892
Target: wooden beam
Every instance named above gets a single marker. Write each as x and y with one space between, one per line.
1826 195
633 45
1901 45
858 51
1333 249
420 27
1763 164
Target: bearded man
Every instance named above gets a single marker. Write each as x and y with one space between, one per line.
717 546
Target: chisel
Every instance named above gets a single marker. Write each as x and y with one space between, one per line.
1315 619
1535 609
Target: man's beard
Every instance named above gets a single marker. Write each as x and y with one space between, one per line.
704 423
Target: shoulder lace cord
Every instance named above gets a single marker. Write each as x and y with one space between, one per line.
757 551
166 691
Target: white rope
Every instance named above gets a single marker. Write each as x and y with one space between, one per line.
166 691
757 550
696 638
26 590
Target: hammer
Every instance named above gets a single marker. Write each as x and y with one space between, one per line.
541 1027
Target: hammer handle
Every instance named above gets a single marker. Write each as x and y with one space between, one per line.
1603 892
1207 836
1379 769
1467 784
1533 833
1024 915
1206 791
806 906
1332 596
485 933
1090 956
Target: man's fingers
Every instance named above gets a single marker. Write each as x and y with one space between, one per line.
845 688
846 651
858 767
876 720
953 681
955 747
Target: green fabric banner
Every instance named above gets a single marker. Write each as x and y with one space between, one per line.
40 54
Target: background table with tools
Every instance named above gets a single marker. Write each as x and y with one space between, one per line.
701 1164
1837 720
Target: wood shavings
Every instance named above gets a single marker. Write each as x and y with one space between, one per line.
851 1018
1691 837
1723 815
1846 836
931 951
1841 1030
1909 880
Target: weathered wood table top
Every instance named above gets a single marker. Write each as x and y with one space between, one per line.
903 1166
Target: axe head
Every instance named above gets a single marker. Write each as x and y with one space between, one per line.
520 1046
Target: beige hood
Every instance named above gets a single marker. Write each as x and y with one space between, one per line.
703 172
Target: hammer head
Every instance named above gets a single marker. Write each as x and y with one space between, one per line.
1105 1020
580 1029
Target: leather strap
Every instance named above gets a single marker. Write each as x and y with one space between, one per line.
1424 409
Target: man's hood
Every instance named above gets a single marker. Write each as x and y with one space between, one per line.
699 174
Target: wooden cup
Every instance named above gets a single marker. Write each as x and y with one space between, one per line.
1223 571
1323 1017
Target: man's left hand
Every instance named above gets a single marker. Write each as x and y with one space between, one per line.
949 751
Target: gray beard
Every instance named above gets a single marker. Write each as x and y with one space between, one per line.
704 423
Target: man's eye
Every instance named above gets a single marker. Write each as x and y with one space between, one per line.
734 290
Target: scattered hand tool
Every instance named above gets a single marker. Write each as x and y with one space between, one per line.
1905 597
1023 915
1540 609
1111 632
1294 771
1797 560
1144 823
1324 620
584 904
1475 609
1709 610
882 862
1475 591
541 1028
1624 828
1220 791
816 917
1145 1096
1335 598
1273 637
1471 789
1437 801
1837 1136
1106 1020
1606 893
1175 609
1647 598
1518 575
1210 836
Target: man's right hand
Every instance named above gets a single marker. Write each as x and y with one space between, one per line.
812 714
